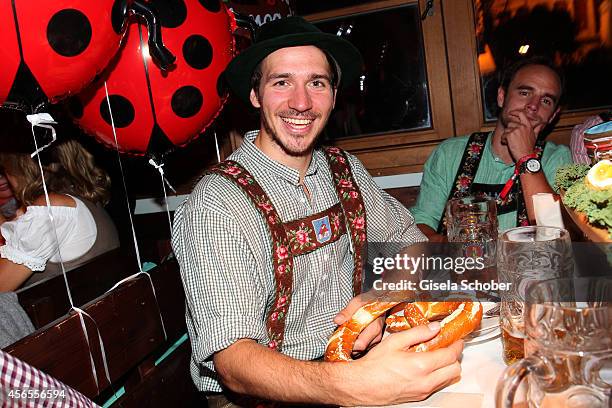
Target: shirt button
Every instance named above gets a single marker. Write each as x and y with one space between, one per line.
325 276
326 257
303 199
322 294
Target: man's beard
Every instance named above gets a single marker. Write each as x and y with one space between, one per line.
287 149
503 115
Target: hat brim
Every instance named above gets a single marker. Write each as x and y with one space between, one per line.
239 71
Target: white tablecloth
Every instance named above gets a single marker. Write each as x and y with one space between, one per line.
481 366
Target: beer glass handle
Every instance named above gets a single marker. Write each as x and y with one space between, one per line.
510 380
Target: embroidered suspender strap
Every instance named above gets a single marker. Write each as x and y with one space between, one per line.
282 261
354 209
296 238
464 180
466 172
315 231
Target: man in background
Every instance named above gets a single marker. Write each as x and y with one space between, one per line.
511 163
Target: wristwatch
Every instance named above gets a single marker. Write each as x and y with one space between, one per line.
532 166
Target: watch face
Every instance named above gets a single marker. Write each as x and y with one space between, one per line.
533 165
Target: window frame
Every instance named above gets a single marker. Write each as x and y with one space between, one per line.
465 77
405 151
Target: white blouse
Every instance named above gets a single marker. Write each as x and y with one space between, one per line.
30 239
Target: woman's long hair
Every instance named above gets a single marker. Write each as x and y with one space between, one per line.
68 168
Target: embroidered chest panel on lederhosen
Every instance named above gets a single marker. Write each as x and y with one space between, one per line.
298 237
464 185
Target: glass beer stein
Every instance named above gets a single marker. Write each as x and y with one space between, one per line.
526 255
472 223
568 350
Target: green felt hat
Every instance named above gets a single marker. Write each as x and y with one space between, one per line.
291 32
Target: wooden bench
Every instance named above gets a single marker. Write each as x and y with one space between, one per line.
129 323
47 300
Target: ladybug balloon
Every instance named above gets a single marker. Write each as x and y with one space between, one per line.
153 111
51 49
263 11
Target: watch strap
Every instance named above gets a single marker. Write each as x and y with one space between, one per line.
518 170
521 164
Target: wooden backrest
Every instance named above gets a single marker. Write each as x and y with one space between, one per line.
129 323
47 300
167 384
130 326
60 350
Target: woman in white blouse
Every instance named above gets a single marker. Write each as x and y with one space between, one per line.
77 192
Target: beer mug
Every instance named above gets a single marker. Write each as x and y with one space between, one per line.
526 255
472 223
568 347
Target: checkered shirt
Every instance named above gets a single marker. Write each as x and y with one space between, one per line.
223 247
19 377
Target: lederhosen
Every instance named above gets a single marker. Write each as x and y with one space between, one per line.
464 182
301 236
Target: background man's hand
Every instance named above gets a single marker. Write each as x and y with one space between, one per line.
520 134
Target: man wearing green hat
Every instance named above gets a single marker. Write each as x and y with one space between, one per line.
271 244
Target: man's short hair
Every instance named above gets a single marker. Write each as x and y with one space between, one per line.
256 77
510 72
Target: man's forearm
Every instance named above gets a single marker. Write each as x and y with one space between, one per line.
247 367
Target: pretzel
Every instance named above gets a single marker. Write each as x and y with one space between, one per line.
340 344
461 322
462 317
420 313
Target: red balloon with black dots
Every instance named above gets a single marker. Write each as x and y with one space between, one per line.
154 111
53 49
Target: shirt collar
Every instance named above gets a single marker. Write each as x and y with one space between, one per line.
261 161
488 150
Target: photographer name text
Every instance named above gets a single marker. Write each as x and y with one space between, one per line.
433 285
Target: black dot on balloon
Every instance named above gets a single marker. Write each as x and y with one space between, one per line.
118 15
187 101
172 13
197 51
123 111
211 5
75 107
69 32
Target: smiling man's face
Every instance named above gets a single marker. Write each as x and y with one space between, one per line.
295 98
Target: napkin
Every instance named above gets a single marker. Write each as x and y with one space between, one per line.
547 210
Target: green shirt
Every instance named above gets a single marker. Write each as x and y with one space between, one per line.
441 169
